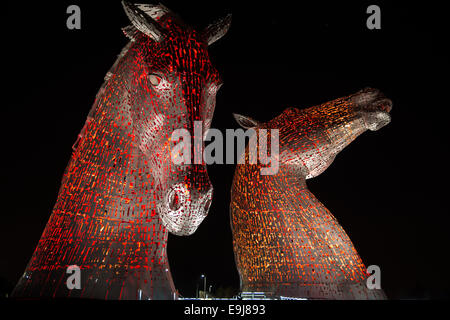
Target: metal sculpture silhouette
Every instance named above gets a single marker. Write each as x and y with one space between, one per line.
285 241
121 194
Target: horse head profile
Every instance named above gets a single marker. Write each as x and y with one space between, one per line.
121 193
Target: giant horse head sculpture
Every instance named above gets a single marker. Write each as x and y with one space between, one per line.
173 84
121 192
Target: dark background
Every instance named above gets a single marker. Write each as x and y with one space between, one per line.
388 189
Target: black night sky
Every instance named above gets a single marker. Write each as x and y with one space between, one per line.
388 189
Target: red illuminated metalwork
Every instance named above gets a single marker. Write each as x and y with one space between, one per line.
121 194
285 241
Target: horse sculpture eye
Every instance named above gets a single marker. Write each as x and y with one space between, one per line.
154 79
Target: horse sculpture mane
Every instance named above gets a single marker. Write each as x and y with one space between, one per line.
286 242
121 194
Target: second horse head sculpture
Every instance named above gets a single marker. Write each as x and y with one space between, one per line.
285 241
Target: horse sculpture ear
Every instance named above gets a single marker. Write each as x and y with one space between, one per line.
217 30
245 122
144 16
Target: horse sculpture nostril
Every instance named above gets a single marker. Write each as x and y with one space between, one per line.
384 104
174 201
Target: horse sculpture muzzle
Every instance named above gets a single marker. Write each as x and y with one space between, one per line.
184 207
374 108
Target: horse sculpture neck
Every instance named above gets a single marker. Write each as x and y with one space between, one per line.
288 243
104 220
